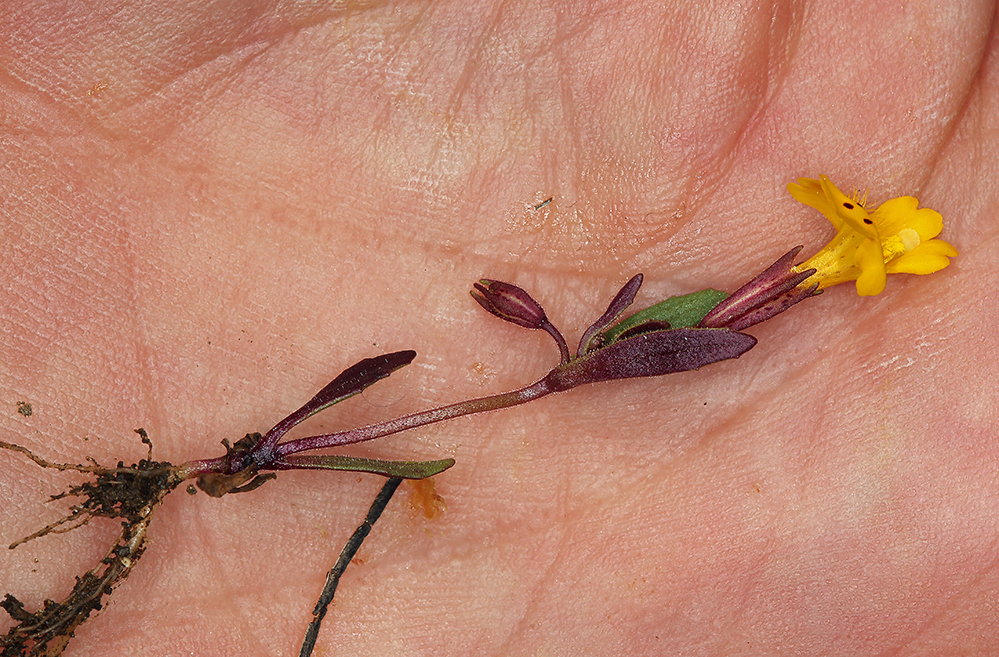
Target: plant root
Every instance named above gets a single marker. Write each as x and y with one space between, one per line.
130 493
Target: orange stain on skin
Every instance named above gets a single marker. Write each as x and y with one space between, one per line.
423 498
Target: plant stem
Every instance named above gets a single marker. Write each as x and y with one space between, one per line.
523 395
350 436
563 348
346 554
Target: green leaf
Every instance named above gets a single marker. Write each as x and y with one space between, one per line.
403 469
680 312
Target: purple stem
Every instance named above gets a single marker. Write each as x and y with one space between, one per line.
648 354
493 402
469 407
563 347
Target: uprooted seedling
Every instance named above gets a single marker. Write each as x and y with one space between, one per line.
677 335
131 494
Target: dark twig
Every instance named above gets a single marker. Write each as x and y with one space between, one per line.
346 554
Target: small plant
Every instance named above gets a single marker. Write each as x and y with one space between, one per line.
677 335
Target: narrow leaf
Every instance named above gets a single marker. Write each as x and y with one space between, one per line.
622 300
652 354
350 382
353 380
680 312
403 469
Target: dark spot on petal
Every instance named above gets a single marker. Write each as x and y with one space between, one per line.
848 206
868 222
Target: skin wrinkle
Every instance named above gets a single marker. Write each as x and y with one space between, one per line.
970 97
534 594
470 67
570 162
706 188
939 616
781 48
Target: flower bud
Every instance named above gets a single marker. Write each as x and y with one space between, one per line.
509 302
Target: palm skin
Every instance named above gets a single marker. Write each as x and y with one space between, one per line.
212 210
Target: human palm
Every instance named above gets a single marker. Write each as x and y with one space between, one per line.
212 210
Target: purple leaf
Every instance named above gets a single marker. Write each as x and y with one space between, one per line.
350 382
652 354
621 301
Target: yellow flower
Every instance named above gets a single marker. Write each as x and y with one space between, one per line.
892 239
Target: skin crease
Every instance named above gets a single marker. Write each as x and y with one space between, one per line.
210 210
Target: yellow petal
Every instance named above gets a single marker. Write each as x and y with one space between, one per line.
848 210
893 216
809 191
872 269
897 237
926 258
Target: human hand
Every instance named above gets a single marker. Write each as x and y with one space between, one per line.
212 210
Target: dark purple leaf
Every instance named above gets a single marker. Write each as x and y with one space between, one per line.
621 301
350 382
652 354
